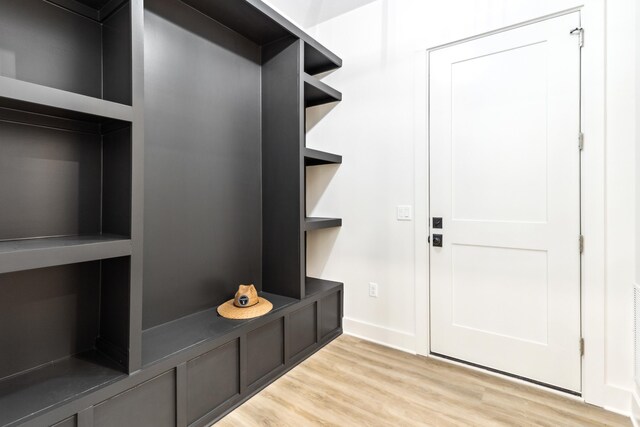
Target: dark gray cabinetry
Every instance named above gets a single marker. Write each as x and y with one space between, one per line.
182 119
152 403
303 329
213 379
265 350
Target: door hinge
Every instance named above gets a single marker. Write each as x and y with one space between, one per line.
581 346
581 141
581 243
580 32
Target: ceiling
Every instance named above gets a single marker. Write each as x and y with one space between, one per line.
308 13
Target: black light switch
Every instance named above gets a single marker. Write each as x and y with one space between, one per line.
437 222
437 240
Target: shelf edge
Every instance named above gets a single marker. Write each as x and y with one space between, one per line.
321 157
30 259
320 223
32 93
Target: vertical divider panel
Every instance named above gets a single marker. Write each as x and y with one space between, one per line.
319 320
181 395
282 170
303 177
243 363
137 185
287 336
302 113
341 308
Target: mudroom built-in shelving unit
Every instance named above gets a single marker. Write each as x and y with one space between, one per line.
65 185
153 158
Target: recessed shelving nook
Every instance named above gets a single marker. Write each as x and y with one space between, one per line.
80 47
317 93
153 158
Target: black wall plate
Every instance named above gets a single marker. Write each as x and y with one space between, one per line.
437 222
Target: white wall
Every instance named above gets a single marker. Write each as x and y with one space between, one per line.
636 406
620 188
380 128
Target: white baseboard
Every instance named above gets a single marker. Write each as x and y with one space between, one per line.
399 340
618 400
635 408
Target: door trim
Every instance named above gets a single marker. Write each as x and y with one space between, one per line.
595 389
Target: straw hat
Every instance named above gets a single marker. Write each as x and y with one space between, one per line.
246 304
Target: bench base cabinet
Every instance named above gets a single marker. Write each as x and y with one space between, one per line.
201 390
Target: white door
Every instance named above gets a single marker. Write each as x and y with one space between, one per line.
505 179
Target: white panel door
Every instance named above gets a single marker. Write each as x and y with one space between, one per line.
505 179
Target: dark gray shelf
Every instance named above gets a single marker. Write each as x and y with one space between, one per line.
316 62
318 93
315 158
262 25
31 97
53 384
318 223
170 338
314 286
18 255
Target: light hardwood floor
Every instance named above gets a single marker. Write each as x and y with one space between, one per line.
352 382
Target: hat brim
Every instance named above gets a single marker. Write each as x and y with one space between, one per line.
230 311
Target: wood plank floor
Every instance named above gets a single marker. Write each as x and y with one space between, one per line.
352 382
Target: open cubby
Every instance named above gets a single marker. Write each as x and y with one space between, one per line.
318 93
82 47
317 60
246 228
63 331
63 177
55 383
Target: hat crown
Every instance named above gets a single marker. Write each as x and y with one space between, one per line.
246 296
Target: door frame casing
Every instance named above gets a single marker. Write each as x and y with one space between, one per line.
593 100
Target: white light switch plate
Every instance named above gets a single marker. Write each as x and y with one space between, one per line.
373 290
404 213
